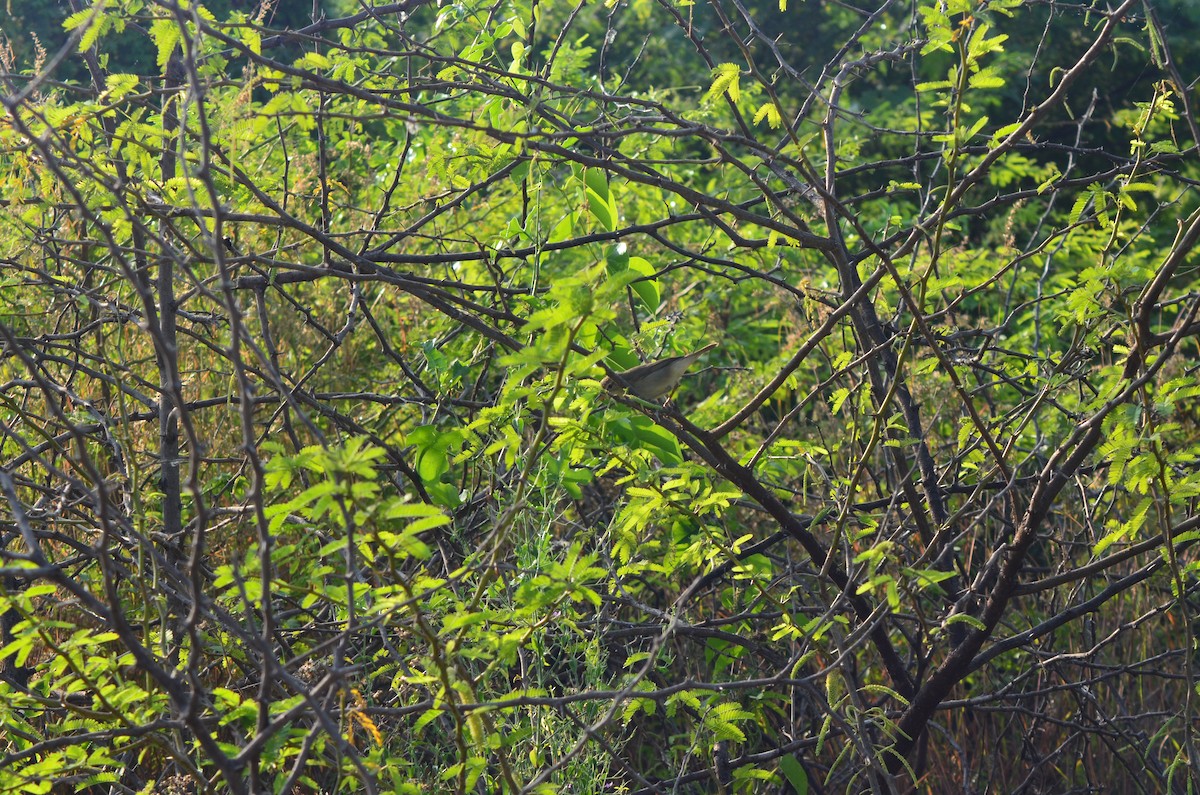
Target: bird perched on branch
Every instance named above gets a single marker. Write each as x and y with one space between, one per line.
652 380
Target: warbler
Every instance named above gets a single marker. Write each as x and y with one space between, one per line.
652 380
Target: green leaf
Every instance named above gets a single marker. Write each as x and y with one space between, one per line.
118 85
986 78
999 135
94 21
432 459
165 35
599 197
427 717
660 440
251 38
313 60
794 773
1081 203
646 288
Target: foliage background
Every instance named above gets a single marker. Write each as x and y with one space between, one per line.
309 484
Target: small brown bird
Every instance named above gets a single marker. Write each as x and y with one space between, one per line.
652 380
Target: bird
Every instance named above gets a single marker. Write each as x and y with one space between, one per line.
652 380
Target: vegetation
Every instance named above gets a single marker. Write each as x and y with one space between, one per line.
308 483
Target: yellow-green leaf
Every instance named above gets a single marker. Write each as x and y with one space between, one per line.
770 112
725 81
